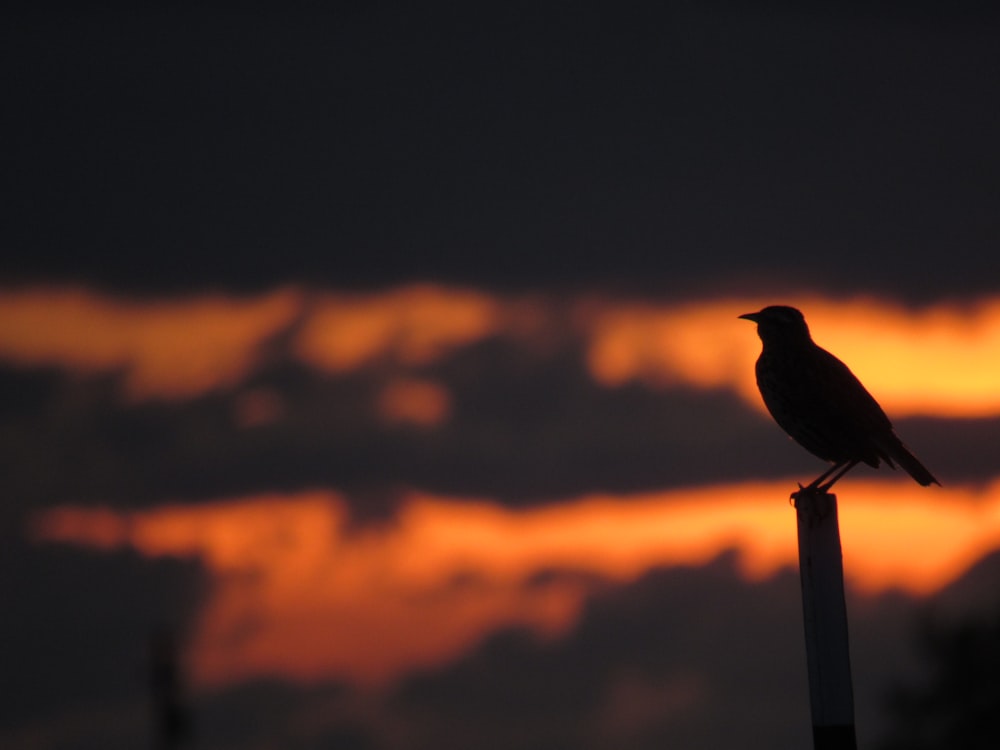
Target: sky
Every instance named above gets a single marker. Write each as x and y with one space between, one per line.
384 358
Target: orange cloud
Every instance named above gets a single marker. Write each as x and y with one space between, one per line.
943 360
412 324
699 344
171 349
298 593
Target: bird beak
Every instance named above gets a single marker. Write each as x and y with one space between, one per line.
751 316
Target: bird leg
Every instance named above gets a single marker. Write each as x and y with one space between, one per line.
818 486
824 488
815 483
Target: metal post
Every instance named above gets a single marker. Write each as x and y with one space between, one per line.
821 571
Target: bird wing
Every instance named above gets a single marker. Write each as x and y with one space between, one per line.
861 413
848 397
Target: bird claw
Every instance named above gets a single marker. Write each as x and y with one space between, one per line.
793 498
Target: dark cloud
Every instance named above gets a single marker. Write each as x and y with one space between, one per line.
524 428
682 657
716 660
76 630
675 147
964 448
278 714
974 593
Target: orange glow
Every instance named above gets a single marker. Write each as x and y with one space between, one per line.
169 349
412 325
298 593
417 402
700 344
943 360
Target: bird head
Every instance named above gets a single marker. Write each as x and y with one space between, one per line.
779 324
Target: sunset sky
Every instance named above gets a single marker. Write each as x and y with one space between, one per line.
388 357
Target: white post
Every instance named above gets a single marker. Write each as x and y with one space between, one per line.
821 571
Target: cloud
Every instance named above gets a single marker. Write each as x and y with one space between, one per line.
175 348
701 638
271 713
650 663
300 594
76 635
518 428
412 324
526 420
942 360
687 644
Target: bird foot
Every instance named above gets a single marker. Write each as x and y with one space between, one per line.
793 499
814 500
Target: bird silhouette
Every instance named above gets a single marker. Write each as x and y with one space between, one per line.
821 404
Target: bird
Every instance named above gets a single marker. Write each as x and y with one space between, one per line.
821 404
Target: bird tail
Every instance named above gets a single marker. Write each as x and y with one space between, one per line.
894 449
